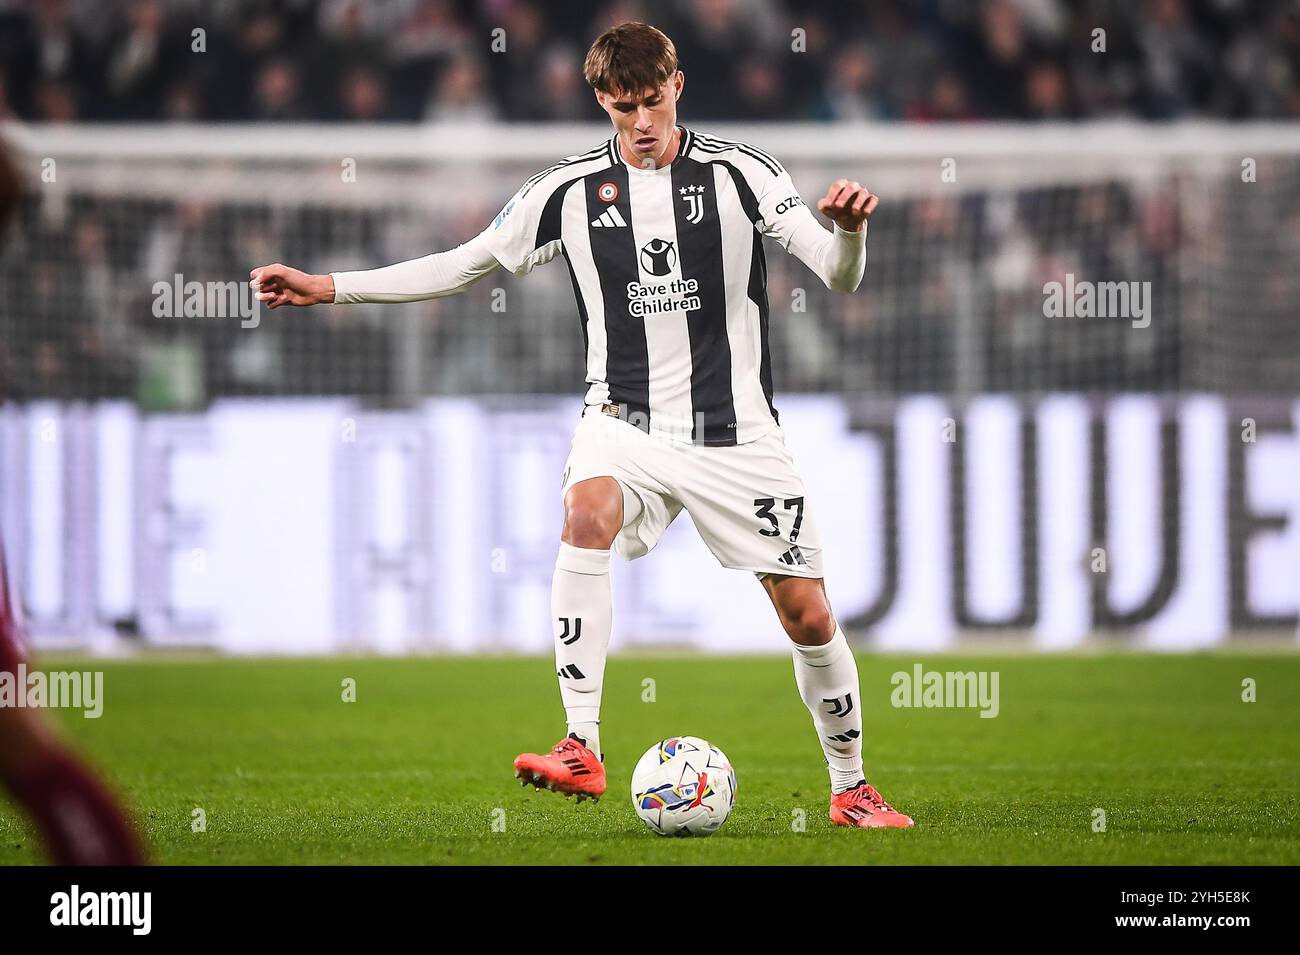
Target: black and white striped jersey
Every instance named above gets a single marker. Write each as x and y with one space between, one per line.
671 283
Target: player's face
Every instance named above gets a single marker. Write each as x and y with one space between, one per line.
646 122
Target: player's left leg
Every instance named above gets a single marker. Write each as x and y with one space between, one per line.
824 670
827 676
610 502
750 507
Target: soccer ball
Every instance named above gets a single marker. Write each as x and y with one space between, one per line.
684 786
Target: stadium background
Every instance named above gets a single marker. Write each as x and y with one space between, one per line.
385 478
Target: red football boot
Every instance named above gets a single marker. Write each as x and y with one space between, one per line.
863 808
569 768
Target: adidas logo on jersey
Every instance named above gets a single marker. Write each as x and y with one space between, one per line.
609 219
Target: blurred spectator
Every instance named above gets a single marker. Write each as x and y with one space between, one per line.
851 92
363 96
945 101
1047 92
142 58
277 92
761 92
713 38
1178 65
425 40
515 59
993 56
565 94
47 60
462 95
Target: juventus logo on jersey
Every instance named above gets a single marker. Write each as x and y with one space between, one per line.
609 219
694 199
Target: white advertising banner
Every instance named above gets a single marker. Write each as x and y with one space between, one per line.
316 526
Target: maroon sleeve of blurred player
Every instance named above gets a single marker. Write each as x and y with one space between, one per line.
12 651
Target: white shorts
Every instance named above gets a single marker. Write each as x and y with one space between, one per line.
746 500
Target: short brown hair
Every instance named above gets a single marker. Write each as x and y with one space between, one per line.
630 58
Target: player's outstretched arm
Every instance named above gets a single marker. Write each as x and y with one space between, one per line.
432 276
837 256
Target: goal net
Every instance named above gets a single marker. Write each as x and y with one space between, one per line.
1071 374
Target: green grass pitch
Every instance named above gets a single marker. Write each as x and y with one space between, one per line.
419 767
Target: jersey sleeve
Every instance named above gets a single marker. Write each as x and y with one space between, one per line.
781 210
431 276
525 233
836 257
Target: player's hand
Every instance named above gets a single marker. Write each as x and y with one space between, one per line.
848 204
278 285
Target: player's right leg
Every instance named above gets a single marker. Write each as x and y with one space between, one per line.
582 615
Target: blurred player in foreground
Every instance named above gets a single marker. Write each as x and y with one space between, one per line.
662 229
79 822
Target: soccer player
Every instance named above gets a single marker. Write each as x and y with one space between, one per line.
662 229
79 821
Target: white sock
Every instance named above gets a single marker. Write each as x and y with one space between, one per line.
582 614
827 677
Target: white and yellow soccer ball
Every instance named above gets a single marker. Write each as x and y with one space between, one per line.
684 786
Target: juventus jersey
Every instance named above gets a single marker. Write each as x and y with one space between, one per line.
668 271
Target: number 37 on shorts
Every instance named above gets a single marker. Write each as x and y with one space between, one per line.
747 501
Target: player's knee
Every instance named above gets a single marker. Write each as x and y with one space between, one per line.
812 624
592 519
586 528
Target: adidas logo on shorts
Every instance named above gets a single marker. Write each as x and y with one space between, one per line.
793 556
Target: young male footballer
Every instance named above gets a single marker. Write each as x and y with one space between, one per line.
662 229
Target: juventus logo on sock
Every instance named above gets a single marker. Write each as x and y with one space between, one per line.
840 706
565 638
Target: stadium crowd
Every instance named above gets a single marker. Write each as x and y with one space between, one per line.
411 60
